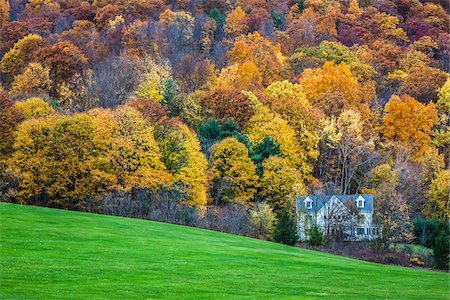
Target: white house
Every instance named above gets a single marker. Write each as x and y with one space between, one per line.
351 216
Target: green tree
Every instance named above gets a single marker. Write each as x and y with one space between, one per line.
315 237
262 151
441 252
286 230
301 6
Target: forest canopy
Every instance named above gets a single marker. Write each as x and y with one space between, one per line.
233 102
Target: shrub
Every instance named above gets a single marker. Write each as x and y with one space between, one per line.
263 219
416 261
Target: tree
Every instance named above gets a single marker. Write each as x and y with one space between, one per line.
409 123
315 237
441 252
228 103
280 183
263 218
266 57
152 111
289 101
180 153
33 108
245 76
11 32
300 6
236 23
154 78
286 230
353 147
15 60
4 12
422 82
262 151
212 131
179 26
442 139
264 123
438 203
234 174
53 159
9 117
391 208
346 152
133 155
64 60
257 20
333 88
34 81
353 10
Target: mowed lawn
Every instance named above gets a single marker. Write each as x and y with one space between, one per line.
54 254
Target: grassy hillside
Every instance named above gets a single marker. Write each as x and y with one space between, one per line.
47 253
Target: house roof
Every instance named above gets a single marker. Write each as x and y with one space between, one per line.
318 201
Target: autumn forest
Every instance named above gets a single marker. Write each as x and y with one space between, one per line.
226 110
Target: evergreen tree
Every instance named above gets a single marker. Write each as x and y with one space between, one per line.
301 6
316 236
440 252
169 92
286 230
264 150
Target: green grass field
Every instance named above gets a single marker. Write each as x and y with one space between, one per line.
55 254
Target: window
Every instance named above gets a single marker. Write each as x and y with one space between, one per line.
374 231
308 204
360 203
360 231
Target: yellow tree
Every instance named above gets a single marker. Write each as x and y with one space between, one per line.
54 158
264 123
28 158
333 88
353 10
438 203
442 139
182 156
245 76
234 174
18 57
266 56
280 183
236 23
33 108
289 100
409 123
34 81
135 155
155 75
4 12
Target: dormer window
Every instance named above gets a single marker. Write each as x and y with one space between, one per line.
360 203
308 204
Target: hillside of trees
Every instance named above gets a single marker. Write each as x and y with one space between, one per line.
229 108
